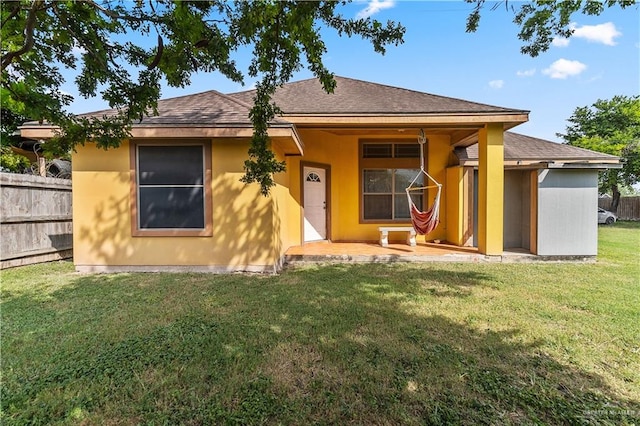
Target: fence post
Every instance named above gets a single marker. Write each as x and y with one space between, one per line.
42 167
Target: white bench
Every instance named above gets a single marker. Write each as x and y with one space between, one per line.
384 234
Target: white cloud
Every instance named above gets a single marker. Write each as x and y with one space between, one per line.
602 33
563 68
560 42
496 84
374 7
526 73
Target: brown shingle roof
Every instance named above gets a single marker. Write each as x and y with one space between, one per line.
361 97
206 109
519 147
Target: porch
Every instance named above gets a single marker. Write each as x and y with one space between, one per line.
373 252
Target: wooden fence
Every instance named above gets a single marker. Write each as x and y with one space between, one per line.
628 208
35 219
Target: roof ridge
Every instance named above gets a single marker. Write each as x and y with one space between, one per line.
237 101
207 92
191 94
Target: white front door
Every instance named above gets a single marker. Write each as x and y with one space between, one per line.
315 203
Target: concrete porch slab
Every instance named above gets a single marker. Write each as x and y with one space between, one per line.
371 252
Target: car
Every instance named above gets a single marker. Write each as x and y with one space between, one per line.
606 217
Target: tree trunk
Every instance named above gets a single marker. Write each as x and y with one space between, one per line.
616 198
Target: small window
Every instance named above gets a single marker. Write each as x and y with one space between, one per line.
313 177
172 190
391 150
376 150
406 150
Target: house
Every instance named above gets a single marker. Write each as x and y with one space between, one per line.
170 198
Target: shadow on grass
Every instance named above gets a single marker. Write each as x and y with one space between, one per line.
344 344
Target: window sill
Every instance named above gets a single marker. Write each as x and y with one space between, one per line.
385 221
171 233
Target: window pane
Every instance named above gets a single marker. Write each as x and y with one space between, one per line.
171 208
401 205
170 165
376 150
406 150
377 206
404 177
376 181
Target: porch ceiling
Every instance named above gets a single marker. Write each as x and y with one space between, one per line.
456 133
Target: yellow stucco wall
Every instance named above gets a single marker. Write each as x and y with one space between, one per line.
439 150
243 225
101 208
286 211
454 187
459 189
243 220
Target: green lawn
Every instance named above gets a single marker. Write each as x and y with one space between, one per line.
438 343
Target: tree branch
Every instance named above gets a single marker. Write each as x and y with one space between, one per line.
80 42
29 41
13 13
117 16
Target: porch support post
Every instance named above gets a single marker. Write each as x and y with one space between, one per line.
491 189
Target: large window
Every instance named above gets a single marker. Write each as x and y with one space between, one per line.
387 168
172 189
384 195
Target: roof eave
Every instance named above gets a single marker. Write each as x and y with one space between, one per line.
285 135
592 164
321 120
601 164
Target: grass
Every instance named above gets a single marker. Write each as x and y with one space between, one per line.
438 343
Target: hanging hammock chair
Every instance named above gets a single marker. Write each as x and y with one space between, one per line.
424 222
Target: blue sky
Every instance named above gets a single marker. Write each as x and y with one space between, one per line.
600 61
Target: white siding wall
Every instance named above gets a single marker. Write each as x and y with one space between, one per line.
567 213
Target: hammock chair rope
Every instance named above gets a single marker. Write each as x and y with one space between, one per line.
424 222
